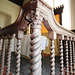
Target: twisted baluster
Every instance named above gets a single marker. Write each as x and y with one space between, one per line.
67 61
73 59
3 56
1 53
0 44
0 49
36 48
18 57
9 56
52 69
71 70
61 58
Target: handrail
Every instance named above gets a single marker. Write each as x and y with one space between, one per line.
51 22
19 24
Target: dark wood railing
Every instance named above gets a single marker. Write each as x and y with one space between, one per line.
35 12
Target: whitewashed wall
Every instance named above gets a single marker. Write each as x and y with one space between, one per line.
8 8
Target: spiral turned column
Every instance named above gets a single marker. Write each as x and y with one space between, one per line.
9 55
52 69
73 59
19 36
61 58
35 68
70 67
0 53
67 61
0 49
2 56
18 57
0 44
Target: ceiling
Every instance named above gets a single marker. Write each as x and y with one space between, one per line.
18 2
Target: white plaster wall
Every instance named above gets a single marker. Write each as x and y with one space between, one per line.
5 20
72 14
50 2
9 8
66 15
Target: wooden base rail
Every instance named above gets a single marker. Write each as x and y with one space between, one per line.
34 12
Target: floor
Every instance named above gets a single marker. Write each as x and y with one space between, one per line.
25 65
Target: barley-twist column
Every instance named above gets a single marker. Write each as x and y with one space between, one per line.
73 58
19 36
3 55
0 44
52 69
61 58
9 54
71 69
67 61
35 48
0 47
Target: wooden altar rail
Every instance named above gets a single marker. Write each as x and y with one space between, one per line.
35 12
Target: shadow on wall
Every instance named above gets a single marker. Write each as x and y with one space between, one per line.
5 19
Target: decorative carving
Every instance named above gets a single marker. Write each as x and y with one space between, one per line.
52 69
67 61
36 46
61 58
3 56
33 1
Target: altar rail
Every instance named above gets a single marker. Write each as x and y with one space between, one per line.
35 12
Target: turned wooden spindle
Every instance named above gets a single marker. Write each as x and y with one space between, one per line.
10 36
0 52
67 61
3 54
0 44
19 36
52 69
70 65
61 58
35 61
73 58
52 37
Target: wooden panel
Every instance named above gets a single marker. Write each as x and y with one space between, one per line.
57 17
43 29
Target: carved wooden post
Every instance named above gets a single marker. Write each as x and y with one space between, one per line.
19 36
70 67
36 46
73 58
10 36
52 36
67 61
3 55
61 38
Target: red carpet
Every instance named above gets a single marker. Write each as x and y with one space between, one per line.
4 72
